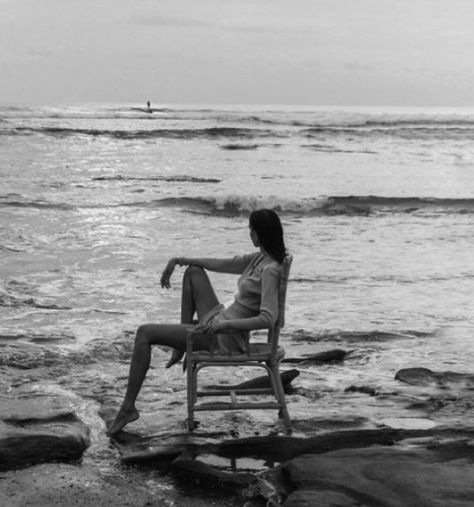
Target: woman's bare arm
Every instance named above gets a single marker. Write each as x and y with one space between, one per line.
234 265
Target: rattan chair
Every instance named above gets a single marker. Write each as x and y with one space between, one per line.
263 355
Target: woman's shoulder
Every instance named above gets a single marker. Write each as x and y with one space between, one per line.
245 257
272 267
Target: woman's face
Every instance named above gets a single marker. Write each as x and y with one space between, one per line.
254 237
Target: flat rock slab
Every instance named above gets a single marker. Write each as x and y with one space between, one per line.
59 485
40 429
443 379
269 447
137 450
329 356
380 476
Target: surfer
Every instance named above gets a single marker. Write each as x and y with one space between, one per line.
255 307
148 107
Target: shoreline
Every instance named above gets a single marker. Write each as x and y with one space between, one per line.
416 421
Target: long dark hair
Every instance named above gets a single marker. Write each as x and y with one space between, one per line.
266 224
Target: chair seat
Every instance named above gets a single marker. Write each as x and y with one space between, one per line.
257 352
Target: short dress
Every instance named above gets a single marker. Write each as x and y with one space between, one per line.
234 342
256 295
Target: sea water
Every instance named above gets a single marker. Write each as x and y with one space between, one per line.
377 207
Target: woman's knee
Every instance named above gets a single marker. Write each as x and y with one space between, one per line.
143 335
193 272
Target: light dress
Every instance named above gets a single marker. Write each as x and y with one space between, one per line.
257 296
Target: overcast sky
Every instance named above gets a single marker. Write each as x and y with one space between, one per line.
308 52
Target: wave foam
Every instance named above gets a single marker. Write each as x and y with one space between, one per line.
236 204
240 204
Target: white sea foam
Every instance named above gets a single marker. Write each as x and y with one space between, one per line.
248 203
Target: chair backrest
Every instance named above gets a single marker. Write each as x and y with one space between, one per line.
285 273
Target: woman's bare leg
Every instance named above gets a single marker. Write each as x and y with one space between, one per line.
170 335
197 296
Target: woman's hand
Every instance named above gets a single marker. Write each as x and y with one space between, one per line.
165 277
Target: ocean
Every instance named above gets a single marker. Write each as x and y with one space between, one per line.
377 207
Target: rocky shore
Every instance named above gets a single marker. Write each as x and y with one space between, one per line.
417 449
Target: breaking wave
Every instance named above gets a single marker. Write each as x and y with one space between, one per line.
18 302
204 133
18 201
408 131
238 204
350 205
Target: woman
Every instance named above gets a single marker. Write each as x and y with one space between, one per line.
255 306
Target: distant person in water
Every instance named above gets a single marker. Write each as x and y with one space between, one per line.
148 107
255 307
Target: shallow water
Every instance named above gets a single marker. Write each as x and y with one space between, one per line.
378 211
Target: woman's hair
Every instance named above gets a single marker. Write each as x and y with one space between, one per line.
266 224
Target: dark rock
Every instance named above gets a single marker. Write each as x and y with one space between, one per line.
283 448
272 448
38 430
204 471
453 448
425 377
353 336
136 450
321 498
381 476
361 389
328 356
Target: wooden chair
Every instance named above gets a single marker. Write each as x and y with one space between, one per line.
264 355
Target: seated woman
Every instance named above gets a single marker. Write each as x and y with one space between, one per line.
255 307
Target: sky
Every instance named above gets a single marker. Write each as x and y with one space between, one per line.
293 52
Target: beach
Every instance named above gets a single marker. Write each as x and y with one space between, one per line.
378 211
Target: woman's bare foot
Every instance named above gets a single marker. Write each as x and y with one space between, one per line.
122 419
176 357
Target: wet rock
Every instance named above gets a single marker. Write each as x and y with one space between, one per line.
283 448
426 377
329 356
316 424
380 476
40 429
361 389
134 449
272 448
450 448
321 498
198 469
372 336
59 485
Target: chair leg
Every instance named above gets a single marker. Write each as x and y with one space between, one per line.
280 394
190 393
